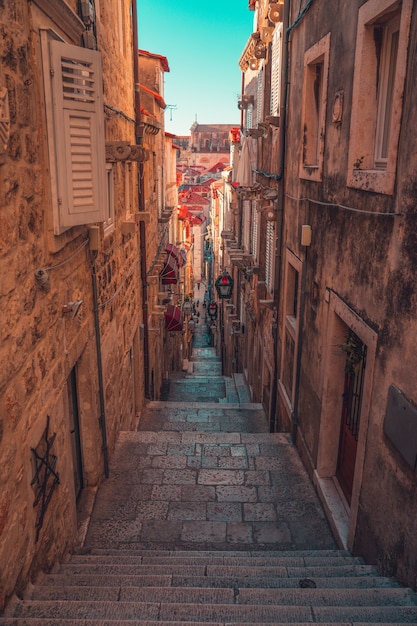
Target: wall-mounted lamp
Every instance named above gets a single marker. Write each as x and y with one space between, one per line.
73 308
224 286
212 310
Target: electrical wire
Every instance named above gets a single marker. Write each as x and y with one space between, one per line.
77 251
119 112
102 305
343 206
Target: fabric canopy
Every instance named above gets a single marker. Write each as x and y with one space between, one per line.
174 321
176 253
169 272
244 174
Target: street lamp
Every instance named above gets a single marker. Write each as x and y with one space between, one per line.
224 286
212 311
187 307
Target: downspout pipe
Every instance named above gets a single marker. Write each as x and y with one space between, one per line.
102 418
281 200
141 202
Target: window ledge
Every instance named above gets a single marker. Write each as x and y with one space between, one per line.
378 181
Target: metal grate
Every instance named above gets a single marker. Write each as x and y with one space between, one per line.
353 386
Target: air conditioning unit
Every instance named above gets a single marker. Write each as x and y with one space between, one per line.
276 12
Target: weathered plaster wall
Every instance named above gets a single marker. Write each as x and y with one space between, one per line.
367 259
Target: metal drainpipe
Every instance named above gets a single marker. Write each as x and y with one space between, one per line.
295 420
102 418
280 216
141 203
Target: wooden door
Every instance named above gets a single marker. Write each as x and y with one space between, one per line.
351 408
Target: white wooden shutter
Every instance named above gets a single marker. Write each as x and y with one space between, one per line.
276 70
77 98
260 97
254 232
269 257
246 224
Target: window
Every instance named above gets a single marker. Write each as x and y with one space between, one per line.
316 64
254 233
260 97
378 86
269 257
246 224
249 116
389 54
276 70
109 216
75 119
292 293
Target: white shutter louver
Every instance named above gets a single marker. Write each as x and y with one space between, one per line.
276 70
269 257
79 133
259 98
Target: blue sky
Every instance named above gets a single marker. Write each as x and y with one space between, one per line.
203 41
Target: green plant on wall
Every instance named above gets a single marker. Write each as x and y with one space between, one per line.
353 348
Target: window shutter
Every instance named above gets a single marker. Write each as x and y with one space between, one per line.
246 224
254 233
259 98
269 257
276 70
77 97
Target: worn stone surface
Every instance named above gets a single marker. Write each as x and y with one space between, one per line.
206 487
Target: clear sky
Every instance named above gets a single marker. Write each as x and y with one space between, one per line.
203 41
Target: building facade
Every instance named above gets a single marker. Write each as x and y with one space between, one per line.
330 106
84 216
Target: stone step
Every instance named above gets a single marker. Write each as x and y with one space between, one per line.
230 561
316 597
100 622
233 613
201 437
119 552
249 582
228 571
241 387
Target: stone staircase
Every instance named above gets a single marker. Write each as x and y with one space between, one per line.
215 588
209 519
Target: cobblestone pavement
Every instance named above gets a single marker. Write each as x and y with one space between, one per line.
203 472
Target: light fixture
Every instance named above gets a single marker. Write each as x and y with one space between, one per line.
212 310
72 307
187 307
224 286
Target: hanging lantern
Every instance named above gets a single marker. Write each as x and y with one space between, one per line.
212 310
187 307
224 286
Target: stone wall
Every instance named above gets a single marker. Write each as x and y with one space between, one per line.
46 350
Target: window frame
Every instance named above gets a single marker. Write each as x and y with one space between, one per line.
313 123
60 109
363 172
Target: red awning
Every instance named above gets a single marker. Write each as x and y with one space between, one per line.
169 272
176 253
174 321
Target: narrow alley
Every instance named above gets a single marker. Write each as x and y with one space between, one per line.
208 518
203 472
